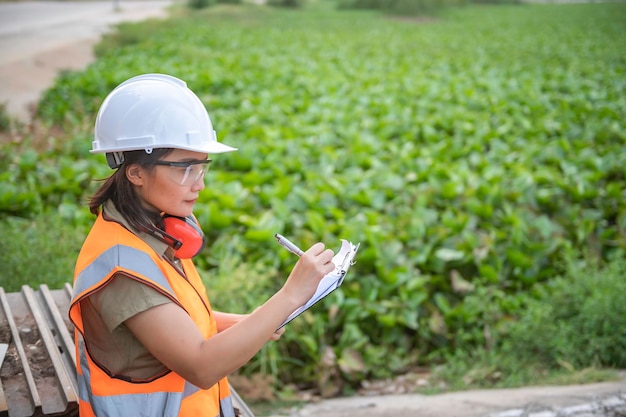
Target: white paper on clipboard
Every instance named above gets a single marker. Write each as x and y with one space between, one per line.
343 260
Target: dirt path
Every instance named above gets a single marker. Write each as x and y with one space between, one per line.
606 399
40 38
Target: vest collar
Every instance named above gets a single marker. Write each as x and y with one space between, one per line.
111 213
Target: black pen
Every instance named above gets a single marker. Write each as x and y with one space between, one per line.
287 244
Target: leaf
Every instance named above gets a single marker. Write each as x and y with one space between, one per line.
447 255
351 362
459 285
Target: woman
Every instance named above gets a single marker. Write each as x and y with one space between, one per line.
148 342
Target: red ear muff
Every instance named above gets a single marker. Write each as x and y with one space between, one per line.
188 232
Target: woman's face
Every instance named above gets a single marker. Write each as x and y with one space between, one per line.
171 189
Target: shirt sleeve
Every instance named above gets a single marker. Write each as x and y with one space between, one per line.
124 297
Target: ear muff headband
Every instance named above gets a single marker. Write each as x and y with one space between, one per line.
187 231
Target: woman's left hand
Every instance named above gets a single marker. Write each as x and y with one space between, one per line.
277 334
226 320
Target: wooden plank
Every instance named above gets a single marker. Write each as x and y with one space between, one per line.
17 378
54 385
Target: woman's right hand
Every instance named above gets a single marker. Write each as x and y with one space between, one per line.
312 266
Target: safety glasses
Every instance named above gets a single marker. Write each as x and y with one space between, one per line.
186 172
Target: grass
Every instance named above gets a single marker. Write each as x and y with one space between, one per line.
575 320
38 251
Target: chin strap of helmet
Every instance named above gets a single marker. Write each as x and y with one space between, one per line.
115 159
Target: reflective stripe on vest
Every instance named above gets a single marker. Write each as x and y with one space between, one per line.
160 404
126 257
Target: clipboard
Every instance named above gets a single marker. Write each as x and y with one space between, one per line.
343 260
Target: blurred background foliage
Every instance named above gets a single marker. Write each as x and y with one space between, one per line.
476 153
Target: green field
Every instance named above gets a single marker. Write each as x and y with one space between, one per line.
476 155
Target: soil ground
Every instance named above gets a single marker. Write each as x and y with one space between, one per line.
40 38
606 399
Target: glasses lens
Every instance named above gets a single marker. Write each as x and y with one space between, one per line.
191 174
186 173
194 172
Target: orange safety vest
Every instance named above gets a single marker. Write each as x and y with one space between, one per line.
110 248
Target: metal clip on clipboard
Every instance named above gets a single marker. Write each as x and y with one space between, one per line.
348 260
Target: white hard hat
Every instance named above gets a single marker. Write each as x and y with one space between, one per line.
153 111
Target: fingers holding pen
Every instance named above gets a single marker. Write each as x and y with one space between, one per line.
320 252
320 257
326 257
317 259
317 250
312 266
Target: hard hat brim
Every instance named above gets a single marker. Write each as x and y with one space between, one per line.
211 147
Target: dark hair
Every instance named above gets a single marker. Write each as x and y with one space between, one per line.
121 191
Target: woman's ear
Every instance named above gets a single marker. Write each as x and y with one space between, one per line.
135 174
